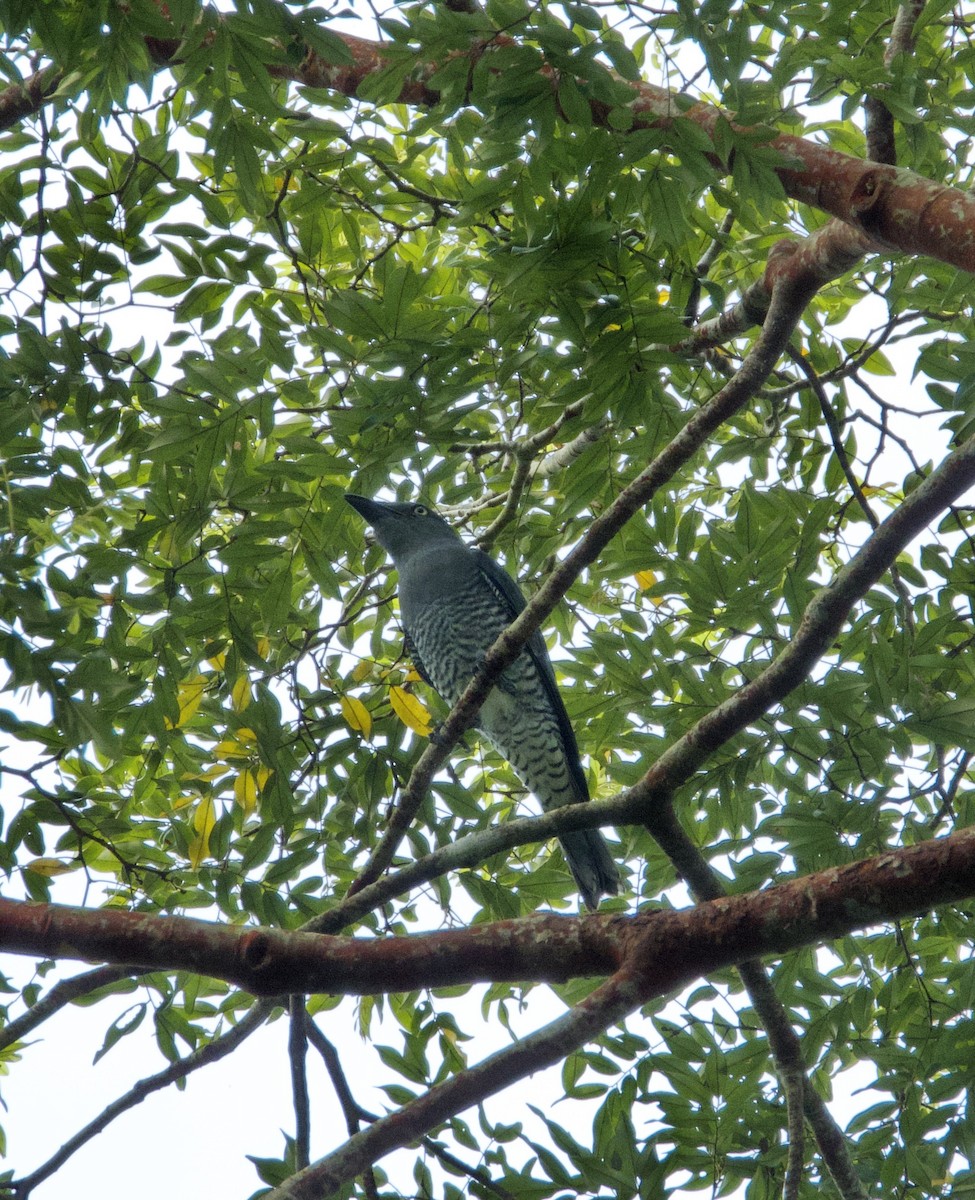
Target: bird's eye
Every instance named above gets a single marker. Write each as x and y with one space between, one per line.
420 510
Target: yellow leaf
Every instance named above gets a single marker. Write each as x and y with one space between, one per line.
189 696
645 580
663 295
204 820
357 716
410 711
240 694
611 328
208 776
49 866
245 790
241 745
362 670
218 660
264 647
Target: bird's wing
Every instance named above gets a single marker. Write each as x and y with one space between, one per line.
510 596
414 654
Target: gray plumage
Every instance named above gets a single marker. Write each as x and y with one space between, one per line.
454 602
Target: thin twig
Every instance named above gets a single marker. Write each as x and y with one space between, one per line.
212 1052
353 1112
607 1005
297 1056
60 995
793 1086
478 1174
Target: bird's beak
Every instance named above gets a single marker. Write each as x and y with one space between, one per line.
369 510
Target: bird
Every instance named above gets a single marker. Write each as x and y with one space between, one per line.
455 601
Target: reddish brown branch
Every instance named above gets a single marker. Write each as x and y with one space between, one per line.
902 877
895 207
270 962
662 950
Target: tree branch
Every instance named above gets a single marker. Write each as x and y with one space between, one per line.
609 1003
791 289
890 205
666 949
879 123
833 250
828 897
353 1112
61 995
212 1052
298 1058
821 622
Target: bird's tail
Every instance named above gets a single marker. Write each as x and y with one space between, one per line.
591 864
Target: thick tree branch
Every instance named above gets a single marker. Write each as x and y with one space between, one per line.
269 962
892 206
664 949
833 250
620 995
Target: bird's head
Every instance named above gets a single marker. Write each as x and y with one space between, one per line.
403 529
